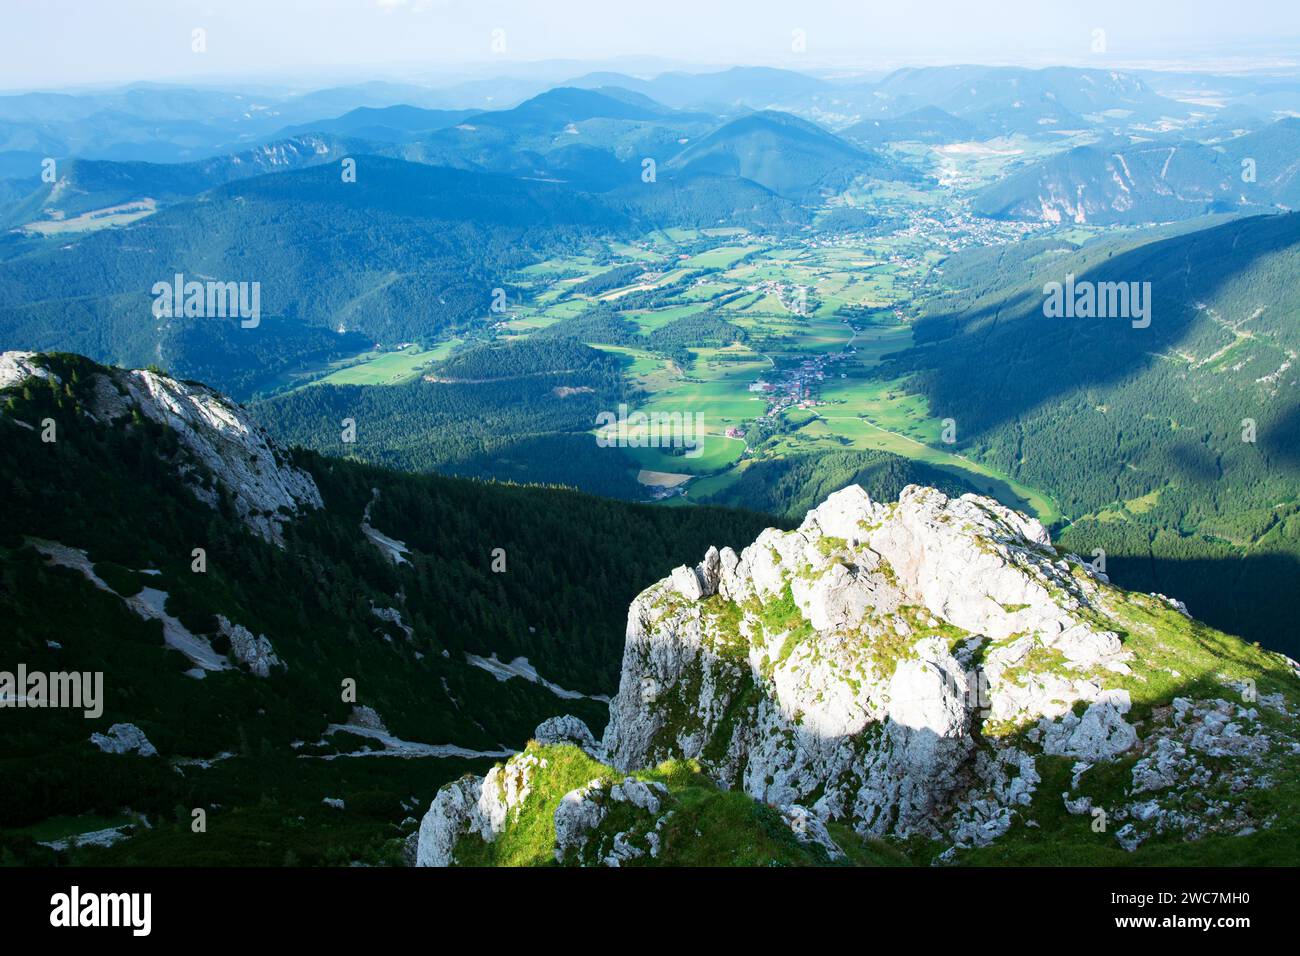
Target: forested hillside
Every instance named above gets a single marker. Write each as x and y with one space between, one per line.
521 412
571 564
404 251
1171 447
793 486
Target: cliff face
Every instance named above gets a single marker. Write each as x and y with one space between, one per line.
851 664
219 443
916 670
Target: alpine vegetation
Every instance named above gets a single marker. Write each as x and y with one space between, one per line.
825 673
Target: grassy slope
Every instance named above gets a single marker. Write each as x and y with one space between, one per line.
1175 657
709 827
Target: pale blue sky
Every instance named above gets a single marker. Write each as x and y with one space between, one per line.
53 43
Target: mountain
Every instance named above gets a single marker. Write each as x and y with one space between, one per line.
1271 152
556 108
231 591
1020 100
1138 184
929 124
792 485
1170 446
591 139
159 123
386 124
404 251
1151 182
928 680
92 186
791 157
741 87
153 122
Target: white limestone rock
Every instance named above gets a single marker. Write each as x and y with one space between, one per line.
219 441
567 730
124 739
1101 733
580 811
253 651
859 704
687 583
809 828
481 805
17 367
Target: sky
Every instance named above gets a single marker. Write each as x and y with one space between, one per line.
46 44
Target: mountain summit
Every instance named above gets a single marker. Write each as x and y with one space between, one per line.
930 675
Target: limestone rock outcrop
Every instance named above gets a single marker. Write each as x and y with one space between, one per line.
220 443
912 669
837 664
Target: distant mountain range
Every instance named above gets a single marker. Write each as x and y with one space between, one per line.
159 123
405 249
1018 100
1152 182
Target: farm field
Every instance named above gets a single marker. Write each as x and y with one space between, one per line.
815 319
388 368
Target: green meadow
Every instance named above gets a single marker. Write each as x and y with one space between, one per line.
388 368
855 296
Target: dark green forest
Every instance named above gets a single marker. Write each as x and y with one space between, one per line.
1171 447
573 563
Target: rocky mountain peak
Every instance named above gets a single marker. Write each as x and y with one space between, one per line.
220 443
884 632
914 669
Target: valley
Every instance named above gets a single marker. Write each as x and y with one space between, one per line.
815 318
653 464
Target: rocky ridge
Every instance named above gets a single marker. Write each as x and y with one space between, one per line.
913 671
220 444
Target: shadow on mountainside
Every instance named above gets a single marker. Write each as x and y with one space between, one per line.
1001 358
1252 597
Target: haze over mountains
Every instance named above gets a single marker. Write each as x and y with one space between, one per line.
522 349
1153 182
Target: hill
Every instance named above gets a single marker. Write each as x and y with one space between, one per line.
792 158
1021 100
1172 446
404 251
741 87
86 186
386 124
929 124
593 140
1153 182
315 572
